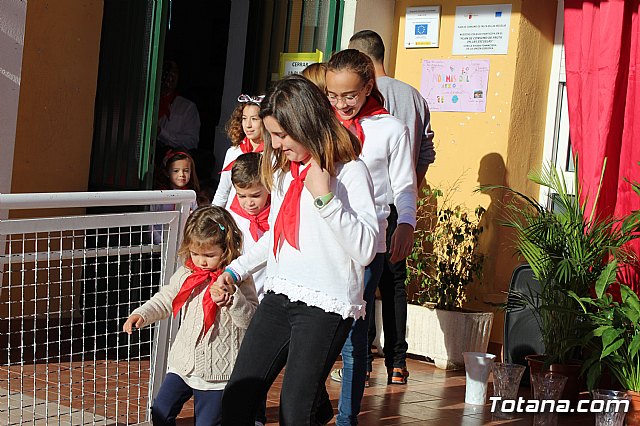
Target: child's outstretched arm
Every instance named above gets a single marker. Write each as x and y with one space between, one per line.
159 306
134 320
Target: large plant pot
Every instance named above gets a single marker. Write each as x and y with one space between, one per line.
633 415
572 370
444 335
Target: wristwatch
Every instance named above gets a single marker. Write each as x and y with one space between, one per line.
323 200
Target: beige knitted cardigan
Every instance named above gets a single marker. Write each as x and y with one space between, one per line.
213 356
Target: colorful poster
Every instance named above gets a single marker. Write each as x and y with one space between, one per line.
294 63
422 26
482 30
455 85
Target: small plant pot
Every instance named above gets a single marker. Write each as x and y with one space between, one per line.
633 416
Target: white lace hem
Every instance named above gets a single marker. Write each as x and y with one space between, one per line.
297 293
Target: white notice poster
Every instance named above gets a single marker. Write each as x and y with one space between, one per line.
482 30
422 26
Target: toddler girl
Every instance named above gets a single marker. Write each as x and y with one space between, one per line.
244 129
205 348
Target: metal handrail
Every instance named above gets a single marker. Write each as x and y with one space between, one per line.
93 199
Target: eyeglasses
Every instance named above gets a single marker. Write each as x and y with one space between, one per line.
349 100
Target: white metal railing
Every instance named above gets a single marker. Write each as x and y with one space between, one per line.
67 284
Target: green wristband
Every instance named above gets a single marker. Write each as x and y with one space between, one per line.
323 200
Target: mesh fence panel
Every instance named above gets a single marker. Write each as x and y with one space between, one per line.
65 295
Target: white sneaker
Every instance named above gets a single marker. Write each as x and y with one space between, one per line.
336 375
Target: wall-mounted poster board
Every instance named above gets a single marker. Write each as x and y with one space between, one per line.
455 85
422 26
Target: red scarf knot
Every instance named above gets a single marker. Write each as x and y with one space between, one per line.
197 277
245 146
371 107
258 223
288 221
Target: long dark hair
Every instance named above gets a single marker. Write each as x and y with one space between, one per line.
306 115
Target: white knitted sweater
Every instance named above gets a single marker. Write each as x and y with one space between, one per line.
213 356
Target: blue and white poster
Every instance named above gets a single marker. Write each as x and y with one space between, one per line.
422 26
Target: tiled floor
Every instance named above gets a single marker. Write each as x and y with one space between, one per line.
110 392
102 391
432 397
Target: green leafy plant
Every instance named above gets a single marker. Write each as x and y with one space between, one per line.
613 326
613 338
567 250
444 259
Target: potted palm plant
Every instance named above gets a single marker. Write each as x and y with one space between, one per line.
443 262
567 250
612 324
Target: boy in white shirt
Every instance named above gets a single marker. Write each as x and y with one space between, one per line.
250 206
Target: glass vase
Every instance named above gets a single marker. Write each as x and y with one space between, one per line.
477 366
613 407
506 382
547 388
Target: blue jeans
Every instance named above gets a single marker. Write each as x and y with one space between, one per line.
304 338
174 392
355 351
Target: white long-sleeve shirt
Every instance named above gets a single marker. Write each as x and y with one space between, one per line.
388 154
248 242
336 243
181 129
225 192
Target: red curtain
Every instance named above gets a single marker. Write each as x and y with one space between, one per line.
602 54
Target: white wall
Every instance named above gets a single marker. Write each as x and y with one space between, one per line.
375 15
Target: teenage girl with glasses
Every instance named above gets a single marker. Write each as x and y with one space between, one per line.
386 150
322 232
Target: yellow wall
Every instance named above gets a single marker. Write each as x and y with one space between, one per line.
499 146
53 135
57 95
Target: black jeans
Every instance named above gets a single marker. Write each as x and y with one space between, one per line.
394 306
304 338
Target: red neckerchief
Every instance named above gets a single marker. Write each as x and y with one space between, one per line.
246 146
371 107
288 221
257 222
197 277
164 108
